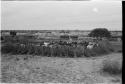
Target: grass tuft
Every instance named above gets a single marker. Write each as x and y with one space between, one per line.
112 67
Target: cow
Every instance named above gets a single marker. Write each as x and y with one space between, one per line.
91 45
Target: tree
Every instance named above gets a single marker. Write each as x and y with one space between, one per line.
13 33
74 37
100 32
2 38
64 37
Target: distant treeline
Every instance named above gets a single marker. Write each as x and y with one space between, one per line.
33 31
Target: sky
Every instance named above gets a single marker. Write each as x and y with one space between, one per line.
62 0
61 15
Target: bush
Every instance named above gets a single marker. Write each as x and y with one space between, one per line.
31 50
104 47
8 48
58 50
79 51
112 67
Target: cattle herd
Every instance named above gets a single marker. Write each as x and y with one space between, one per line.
85 44
53 47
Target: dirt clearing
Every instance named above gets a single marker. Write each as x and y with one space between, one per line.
37 69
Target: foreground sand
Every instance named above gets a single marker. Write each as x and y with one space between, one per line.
18 69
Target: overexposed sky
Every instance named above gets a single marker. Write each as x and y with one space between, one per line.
62 0
61 15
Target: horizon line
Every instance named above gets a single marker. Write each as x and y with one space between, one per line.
53 30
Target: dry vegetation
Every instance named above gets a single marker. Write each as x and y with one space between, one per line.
33 65
112 67
103 48
37 69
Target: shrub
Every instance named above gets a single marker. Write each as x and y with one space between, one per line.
58 50
79 51
89 53
13 33
8 48
119 51
104 47
31 50
112 67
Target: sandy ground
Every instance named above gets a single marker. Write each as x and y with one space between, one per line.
18 69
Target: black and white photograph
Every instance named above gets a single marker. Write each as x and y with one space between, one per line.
61 41
62 0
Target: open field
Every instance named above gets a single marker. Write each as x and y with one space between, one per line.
117 46
37 69
31 64
61 42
